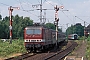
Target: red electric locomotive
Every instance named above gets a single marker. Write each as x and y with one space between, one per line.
37 38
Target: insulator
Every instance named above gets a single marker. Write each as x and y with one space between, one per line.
57 9
55 23
36 24
55 18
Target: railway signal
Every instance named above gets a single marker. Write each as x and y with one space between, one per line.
56 21
10 14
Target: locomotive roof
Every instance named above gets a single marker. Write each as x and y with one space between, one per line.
73 34
34 26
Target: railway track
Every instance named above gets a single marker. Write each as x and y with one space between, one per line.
21 57
55 54
61 54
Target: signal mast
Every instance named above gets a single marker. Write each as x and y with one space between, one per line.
10 14
56 21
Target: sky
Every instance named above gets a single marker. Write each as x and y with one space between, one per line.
78 10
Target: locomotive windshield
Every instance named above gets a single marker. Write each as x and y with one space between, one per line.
33 31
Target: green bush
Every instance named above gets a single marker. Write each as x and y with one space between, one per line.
7 49
88 38
81 38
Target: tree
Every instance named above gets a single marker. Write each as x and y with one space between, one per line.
51 26
77 28
18 25
5 28
0 17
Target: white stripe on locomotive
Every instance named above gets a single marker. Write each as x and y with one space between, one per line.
34 40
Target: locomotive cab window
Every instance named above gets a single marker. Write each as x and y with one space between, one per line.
29 31
33 31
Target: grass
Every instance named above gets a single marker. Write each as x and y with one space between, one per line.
7 49
17 46
88 50
79 43
88 47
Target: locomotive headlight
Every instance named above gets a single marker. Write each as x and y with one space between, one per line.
26 40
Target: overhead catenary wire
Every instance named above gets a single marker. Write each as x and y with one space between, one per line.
72 15
27 10
62 10
22 9
38 1
60 2
29 3
44 1
82 20
4 4
65 9
67 16
21 5
50 3
33 9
